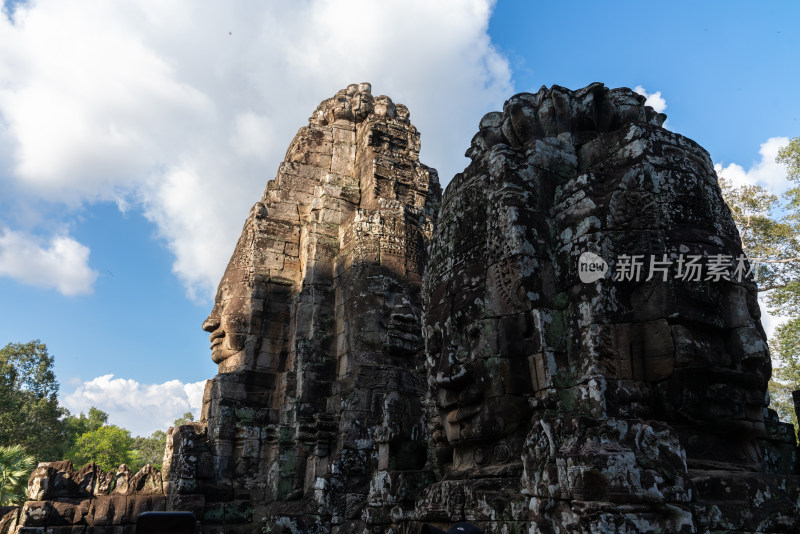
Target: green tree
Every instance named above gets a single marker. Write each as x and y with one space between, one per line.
786 297
785 349
785 344
15 469
184 419
29 412
77 425
790 156
107 446
774 240
93 439
149 450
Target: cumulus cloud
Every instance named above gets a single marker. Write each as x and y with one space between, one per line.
765 172
654 100
184 109
141 408
61 264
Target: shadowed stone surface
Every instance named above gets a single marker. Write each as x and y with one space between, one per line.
381 368
634 403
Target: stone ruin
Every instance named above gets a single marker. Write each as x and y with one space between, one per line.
63 500
599 404
317 332
552 346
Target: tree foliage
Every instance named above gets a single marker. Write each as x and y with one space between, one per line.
785 349
15 469
149 450
77 425
771 242
31 418
770 232
94 440
29 412
790 156
107 446
184 419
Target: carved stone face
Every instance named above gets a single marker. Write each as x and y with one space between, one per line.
237 317
481 382
230 319
477 325
249 321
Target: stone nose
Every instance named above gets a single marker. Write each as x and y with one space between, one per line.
450 373
211 323
455 377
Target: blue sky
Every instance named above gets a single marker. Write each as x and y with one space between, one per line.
134 137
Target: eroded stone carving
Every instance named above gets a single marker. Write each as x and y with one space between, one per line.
316 330
380 369
62 499
617 395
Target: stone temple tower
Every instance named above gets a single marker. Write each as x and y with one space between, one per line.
632 400
316 330
391 357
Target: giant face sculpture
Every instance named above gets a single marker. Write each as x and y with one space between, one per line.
552 177
230 320
478 325
249 321
481 384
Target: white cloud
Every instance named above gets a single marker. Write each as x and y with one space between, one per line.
766 172
141 408
184 109
654 100
768 321
62 264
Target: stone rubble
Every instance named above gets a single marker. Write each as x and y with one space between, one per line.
86 501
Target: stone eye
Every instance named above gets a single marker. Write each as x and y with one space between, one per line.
474 333
434 341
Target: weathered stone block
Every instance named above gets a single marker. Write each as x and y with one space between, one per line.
35 513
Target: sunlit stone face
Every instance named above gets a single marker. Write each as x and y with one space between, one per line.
231 318
236 322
